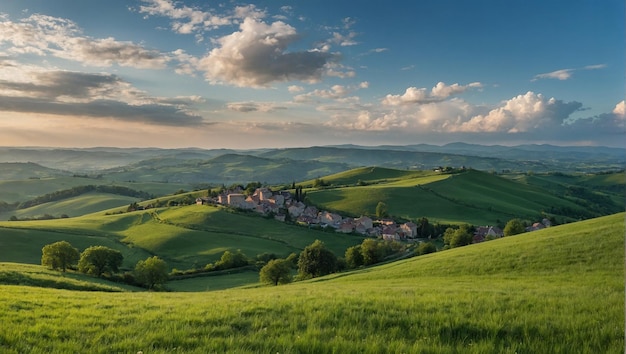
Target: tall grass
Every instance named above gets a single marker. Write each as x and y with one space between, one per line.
560 290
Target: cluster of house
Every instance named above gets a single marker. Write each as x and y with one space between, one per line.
483 233
282 204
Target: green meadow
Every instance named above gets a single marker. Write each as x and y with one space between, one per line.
474 197
558 290
185 236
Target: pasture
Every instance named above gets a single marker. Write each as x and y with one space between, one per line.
558 290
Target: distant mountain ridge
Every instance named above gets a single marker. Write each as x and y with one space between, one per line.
321 159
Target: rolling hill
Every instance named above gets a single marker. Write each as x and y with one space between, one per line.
185 237
471 196
558 290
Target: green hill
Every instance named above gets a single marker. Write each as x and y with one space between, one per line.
76 206
472 196
184 236
558 290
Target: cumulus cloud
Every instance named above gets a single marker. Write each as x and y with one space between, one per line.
439 92
522 113
257 55
565 74
46 35
37 90
188 20
336 92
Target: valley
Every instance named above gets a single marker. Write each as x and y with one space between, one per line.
496 296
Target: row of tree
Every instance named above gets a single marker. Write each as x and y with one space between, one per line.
101 260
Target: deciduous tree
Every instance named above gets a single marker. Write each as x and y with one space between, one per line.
514 227
316 260
151 272
59 255
276 271
97 260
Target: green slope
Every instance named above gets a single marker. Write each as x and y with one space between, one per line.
472 196
183 236
559 290
27 189
84 204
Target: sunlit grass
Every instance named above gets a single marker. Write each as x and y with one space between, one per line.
559 290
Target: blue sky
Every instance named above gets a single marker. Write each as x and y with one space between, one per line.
300 73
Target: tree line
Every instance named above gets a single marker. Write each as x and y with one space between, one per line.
101 261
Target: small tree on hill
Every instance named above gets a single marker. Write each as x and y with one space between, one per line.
354 258
276 271
316 260
59 255
97 260
151 272
425 248
514 227
381 210
459 237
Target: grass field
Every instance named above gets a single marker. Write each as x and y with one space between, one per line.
558 290
473 197
183 236
83 204
22 190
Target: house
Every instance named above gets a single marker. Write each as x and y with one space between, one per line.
346 226
484 232
330 219
409 229
236 200
390 232
364 222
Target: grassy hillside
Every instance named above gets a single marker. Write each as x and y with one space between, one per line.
559 290
38 276
183 236
472 196
21 190
227 169
84 204
27 170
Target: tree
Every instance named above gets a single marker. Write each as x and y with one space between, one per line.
425 248
371 251
232 260
151 272
98 260
59 255
459 237
276 271
381 210
316 260
514 227
354 258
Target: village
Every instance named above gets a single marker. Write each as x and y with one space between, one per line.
283 206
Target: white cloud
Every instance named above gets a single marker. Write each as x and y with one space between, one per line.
295 88
257 55
46 35
565 74
523 113
620 109
441 91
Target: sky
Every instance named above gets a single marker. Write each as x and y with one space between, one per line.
273 74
